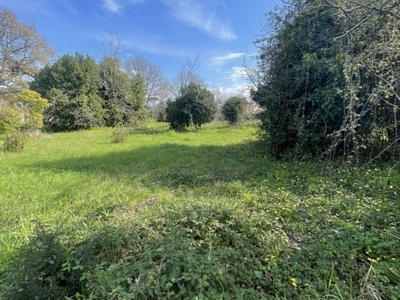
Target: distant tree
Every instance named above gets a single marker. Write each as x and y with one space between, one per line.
196 106
234 110
159 111
139 101
116 90
74 75
71 85
186 76
22 51
154 80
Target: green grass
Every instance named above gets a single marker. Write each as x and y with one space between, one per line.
311 230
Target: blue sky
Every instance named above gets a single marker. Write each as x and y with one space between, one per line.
165 32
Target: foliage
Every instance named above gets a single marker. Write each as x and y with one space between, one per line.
196 105
327 79
14 141
234 110
22 51
301 79
159 111
71 86
116 91
10 118
65 114
371 122
35 271
157 87
25 110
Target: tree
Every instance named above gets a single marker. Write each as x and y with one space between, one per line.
116 90
139 101
328 79
196 106
154 80
234 110
74 75
186 76
22 51
24 110
71 85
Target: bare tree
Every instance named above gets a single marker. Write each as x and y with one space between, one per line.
110 46
22 51
187 75
157 86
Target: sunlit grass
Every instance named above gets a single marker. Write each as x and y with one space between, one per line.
66 177
327 224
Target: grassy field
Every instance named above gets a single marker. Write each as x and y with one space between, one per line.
202 213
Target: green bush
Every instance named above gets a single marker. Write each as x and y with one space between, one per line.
196 106
35 271
119 135
234 110
14 141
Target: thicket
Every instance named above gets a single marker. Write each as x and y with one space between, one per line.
327 79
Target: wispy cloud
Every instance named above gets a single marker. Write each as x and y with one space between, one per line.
116 6
218 63
194 14
145 42
229 56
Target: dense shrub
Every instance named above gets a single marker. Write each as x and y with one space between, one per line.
234 110
301 82
196 106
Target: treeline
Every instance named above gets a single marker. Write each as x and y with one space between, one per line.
83 94
75 92
328 78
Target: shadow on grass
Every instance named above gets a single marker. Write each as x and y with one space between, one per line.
169 164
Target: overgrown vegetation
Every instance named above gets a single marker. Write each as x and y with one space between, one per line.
144 220
205 213
327 78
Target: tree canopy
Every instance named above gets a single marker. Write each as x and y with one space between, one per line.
234 109
22 51
196 106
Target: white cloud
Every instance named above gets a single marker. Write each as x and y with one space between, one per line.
145 42
113 5
116 6
229 56
222 93
194 14
238 73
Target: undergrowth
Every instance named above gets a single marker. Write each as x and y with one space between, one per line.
211 221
